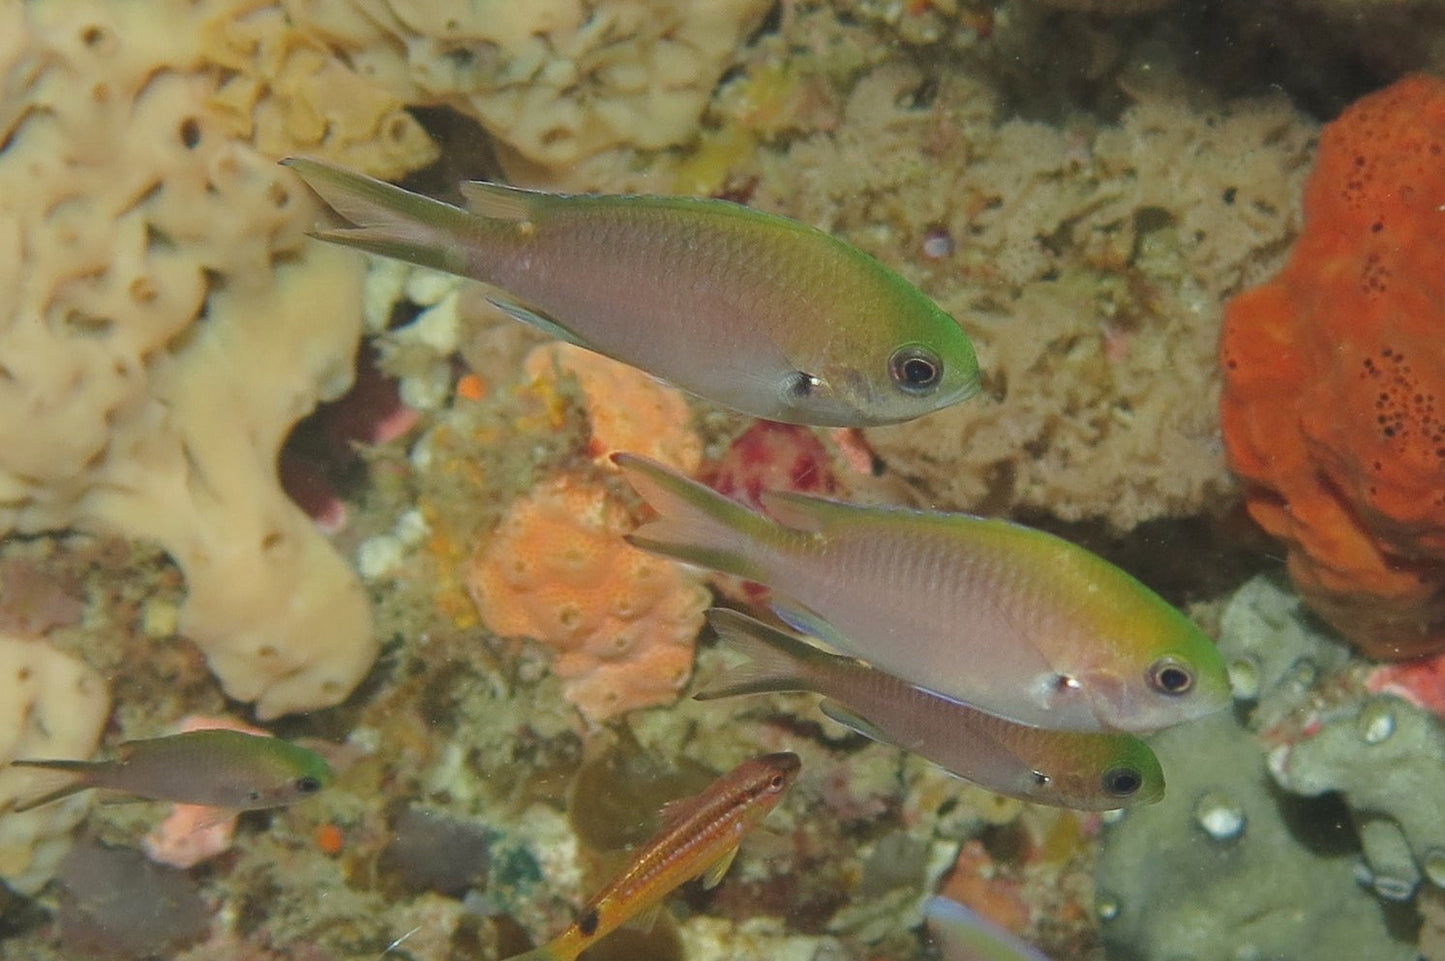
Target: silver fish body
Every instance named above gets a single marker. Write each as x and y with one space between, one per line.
751 310
215 768
1013 621
1073 769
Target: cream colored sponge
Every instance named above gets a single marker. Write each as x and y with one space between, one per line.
51 706
164 325
554 80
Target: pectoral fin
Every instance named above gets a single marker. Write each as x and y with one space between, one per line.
675 810
718 868
805 620
645 919
534 318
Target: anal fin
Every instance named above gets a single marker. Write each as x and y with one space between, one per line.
855 722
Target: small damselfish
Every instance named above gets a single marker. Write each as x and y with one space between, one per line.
754 311
215 768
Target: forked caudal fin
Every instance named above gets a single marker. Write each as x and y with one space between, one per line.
695 523
775 661
390 221
68 777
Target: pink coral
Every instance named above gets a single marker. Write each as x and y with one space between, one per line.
621 623
1333 408
1420 681
770 456
370 413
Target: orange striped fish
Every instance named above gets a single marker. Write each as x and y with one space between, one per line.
700 837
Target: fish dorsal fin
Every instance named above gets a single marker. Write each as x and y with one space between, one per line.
854 722
502 202
534 318
718 868
809 513
674 811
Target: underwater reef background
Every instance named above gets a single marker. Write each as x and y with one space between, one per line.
251 478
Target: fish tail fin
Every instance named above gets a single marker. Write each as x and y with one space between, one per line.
390 221
695 523
775 661
84 774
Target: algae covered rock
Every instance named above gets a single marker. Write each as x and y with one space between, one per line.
1289 851
1386 757
1227 866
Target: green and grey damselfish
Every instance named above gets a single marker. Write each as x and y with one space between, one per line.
1013 621
215 768
750 310
1085 770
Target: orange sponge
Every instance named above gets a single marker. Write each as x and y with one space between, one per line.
1333 408
621 623
627 410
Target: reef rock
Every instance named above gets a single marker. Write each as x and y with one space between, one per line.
1383 757
1215 871
1275 816
1087 266
1380 755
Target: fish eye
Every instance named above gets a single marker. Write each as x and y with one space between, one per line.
777 782
1041 779
800 383
307 785
1168 676
1122 781
915 369
253 796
